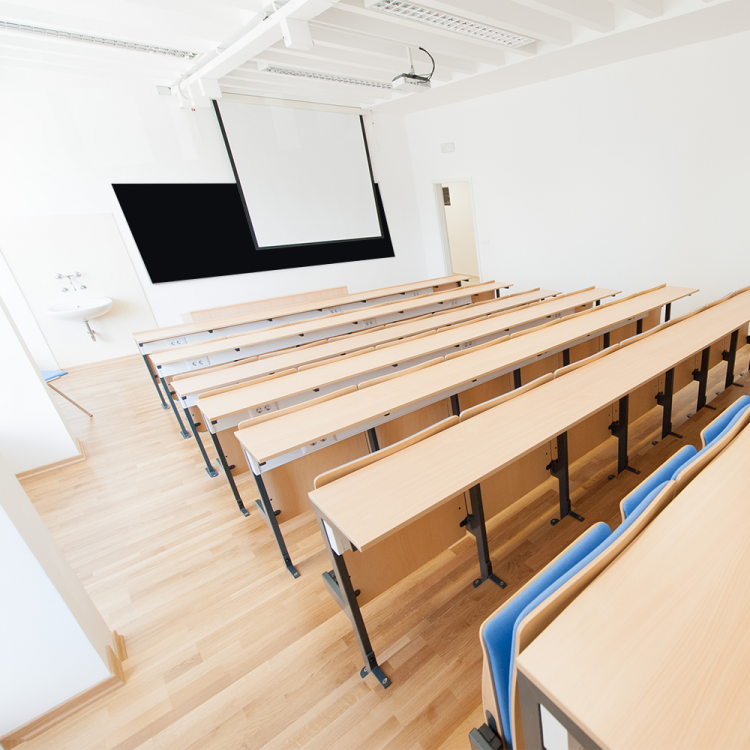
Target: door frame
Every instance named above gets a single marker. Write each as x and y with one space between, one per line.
437 187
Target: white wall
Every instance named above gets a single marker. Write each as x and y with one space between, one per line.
33 433
459 220
66 139
36 248
626 176
52 639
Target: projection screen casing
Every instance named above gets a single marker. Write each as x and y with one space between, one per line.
304 174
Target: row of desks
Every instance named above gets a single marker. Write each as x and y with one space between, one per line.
186 334
232 400
179 359
223 410
382 504
192 333
329 433
166 363
656 651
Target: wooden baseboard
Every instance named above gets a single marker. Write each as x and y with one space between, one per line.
62 711
56 465
59 713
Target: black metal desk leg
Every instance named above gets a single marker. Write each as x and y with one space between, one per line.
155 378
558 467
619 429
228 473
639 327
183 432
372 440
667 312
731 357
665 401
531 698
209 466
476 526
339 586
455 406
702 377
517 378
566 357
269 516
605 340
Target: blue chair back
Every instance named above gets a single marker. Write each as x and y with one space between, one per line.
665 472
725 420
497 632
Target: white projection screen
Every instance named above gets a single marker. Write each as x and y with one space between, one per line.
304 173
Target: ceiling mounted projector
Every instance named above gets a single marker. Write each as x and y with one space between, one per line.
411 82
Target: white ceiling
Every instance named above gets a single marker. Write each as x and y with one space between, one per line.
233 41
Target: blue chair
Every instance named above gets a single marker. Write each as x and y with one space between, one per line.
665 472
49 376
725 420
499 634
496 632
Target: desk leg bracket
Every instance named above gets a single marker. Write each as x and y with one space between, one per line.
558 467
339 585
475 525
269 515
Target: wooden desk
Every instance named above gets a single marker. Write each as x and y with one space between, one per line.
168 362
188 389
655 650
414 485
229 349
166 336
190 333
322 436
270 303
223 410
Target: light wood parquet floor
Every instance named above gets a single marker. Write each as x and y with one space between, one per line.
225 650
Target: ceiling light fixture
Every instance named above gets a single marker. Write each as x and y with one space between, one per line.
99 40
448 22
326 77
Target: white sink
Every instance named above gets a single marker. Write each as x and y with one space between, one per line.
80 309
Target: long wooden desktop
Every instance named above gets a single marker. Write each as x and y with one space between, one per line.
287 451
377 512
194 357
189 387
224 410
655 649
190 333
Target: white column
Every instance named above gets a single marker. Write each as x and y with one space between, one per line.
53 640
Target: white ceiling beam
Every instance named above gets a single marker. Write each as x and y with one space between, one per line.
413 34
645 8
592 14
381 68
326 36
506 15
259 38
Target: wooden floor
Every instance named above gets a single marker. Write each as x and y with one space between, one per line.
226 650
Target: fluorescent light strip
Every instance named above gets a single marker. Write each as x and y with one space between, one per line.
102 41
326 77
449 23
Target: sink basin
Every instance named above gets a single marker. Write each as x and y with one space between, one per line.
80 309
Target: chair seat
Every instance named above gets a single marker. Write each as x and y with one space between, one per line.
52 374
